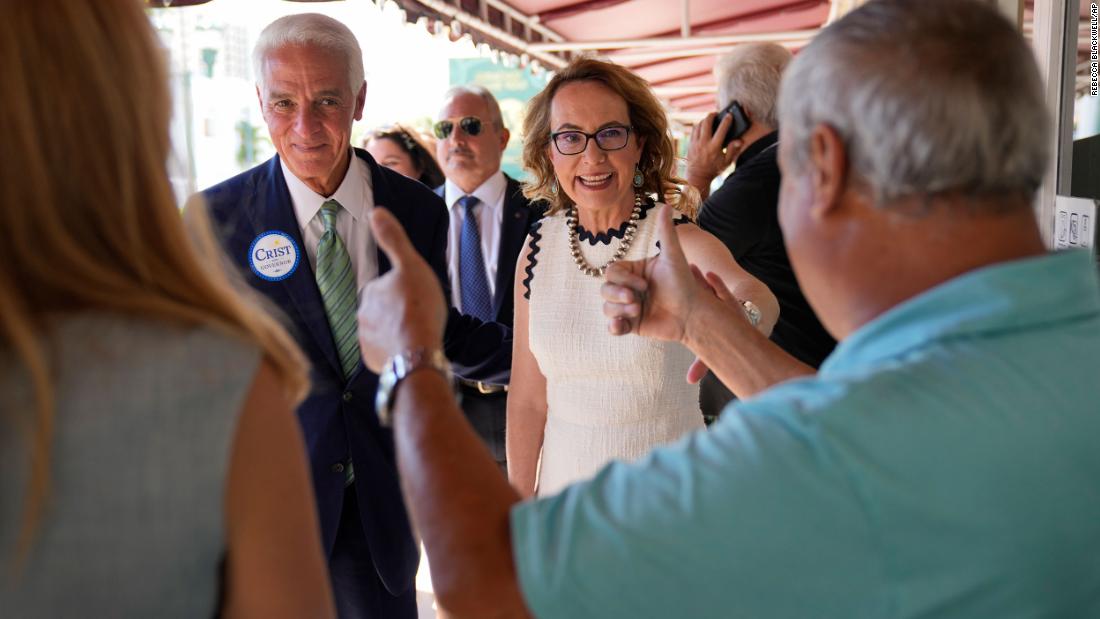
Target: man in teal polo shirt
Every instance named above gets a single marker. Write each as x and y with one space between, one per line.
942 463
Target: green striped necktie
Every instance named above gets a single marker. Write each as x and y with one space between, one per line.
336 281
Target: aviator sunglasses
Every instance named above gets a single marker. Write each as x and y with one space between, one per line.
470 125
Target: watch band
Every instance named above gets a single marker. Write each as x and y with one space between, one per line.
399 367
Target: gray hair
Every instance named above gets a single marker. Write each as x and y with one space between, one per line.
929 97
478 91
750 75
314 30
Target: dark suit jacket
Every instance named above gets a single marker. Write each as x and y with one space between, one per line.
519 214
338 417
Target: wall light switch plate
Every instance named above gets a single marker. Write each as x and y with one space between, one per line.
1074 223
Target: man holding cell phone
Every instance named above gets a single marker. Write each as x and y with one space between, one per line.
743 212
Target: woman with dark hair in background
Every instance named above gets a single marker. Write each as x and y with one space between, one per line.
403 150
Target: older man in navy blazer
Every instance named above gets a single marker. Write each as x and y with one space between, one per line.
297 225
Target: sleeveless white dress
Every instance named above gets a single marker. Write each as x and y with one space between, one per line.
608 398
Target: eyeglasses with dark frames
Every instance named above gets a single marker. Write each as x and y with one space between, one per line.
470 125
573 142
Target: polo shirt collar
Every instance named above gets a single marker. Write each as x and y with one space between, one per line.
758 147
1009 296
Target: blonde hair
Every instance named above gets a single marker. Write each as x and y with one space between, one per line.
88 220
648 122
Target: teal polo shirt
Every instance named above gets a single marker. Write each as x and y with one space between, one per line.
945 462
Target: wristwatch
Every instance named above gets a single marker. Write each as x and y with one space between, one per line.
751 312
397 368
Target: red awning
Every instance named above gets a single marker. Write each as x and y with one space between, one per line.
644 35
671 43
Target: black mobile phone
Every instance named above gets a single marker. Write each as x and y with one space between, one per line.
740 124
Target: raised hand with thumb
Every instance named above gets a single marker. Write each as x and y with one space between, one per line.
653 297
403 309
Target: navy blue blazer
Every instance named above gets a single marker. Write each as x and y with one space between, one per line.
515 224
337 417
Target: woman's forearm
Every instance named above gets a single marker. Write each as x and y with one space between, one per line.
523 443
762 297
742 357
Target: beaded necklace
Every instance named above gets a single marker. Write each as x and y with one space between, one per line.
624 244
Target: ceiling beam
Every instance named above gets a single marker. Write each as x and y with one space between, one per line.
686 76
672 42
681 91
672 54
733 20
689 118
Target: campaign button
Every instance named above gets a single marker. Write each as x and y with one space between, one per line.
274 256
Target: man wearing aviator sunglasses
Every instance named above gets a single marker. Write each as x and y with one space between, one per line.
489 222
470 125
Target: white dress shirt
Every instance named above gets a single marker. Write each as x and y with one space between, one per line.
489 214
356 197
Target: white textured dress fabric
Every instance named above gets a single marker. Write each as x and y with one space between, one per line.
608 398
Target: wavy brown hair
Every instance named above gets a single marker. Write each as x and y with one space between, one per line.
647 120
88 220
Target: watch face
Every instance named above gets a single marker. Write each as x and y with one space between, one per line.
396 369
383 398
751 312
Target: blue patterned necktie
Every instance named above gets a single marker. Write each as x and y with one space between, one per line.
474 285
336 281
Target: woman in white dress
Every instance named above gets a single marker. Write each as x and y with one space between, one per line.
599 152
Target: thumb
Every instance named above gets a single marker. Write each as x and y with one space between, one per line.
719 287
666 234
699 277
390 236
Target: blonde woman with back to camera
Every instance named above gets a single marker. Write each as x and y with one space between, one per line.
150 462
599 152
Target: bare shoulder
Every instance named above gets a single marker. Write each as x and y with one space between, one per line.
686 228
266 396
267 424
697 241
274 562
